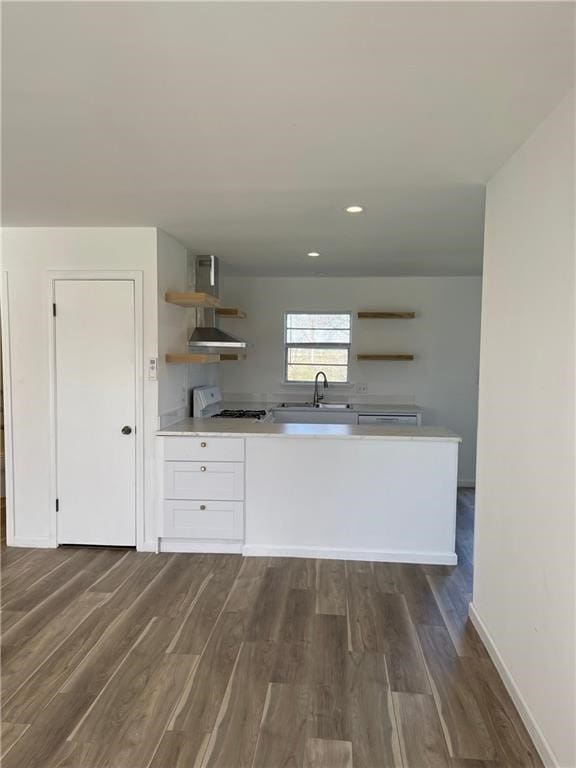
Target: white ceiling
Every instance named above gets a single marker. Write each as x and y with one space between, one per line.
243 129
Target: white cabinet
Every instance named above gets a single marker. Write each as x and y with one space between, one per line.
208 480
203 492
344 498
204 449
191 519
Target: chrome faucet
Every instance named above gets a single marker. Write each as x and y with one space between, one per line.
317 395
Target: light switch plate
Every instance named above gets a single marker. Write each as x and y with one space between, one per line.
152 369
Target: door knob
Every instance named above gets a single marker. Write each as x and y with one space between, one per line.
126 430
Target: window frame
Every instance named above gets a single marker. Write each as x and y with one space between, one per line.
290 345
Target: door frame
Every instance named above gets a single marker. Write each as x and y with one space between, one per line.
136 276
8 422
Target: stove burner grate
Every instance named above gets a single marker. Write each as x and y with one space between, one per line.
239 414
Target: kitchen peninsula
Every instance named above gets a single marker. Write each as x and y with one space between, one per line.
362 492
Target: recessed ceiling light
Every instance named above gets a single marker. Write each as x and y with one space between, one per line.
321 274
313 254
354 209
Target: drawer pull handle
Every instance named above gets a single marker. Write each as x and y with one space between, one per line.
202 445
202 506
202 469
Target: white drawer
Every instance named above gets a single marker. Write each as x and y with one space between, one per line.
204 448
203 519
204 480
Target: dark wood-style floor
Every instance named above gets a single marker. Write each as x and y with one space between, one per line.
130 660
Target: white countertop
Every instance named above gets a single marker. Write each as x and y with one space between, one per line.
254 428
355 407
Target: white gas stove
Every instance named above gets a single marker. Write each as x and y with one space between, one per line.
207 405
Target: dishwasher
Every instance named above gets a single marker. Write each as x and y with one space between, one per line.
415 419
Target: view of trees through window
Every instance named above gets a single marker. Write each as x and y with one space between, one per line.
317 342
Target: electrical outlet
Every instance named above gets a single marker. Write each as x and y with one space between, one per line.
361 389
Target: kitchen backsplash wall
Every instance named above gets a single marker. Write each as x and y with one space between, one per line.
444 337
174 327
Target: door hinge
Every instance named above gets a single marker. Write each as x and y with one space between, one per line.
57 505
54 309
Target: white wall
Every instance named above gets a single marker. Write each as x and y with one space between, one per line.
199 376
172 328
175 325
444 337
524 596
27 254
2 483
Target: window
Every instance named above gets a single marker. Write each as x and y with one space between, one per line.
315 342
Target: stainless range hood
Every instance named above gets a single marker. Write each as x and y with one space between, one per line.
209 336
203 276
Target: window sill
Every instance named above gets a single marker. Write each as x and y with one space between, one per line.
308 384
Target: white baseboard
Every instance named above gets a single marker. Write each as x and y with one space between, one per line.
19 541
236 547
429 558
148 546
213 547
540 742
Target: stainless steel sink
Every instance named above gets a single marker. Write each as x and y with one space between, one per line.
296 406
321 405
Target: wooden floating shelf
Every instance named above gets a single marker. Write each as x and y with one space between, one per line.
386 315
231 312
384 357
189 358
191 299
176 357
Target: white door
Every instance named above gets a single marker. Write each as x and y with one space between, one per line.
95 387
